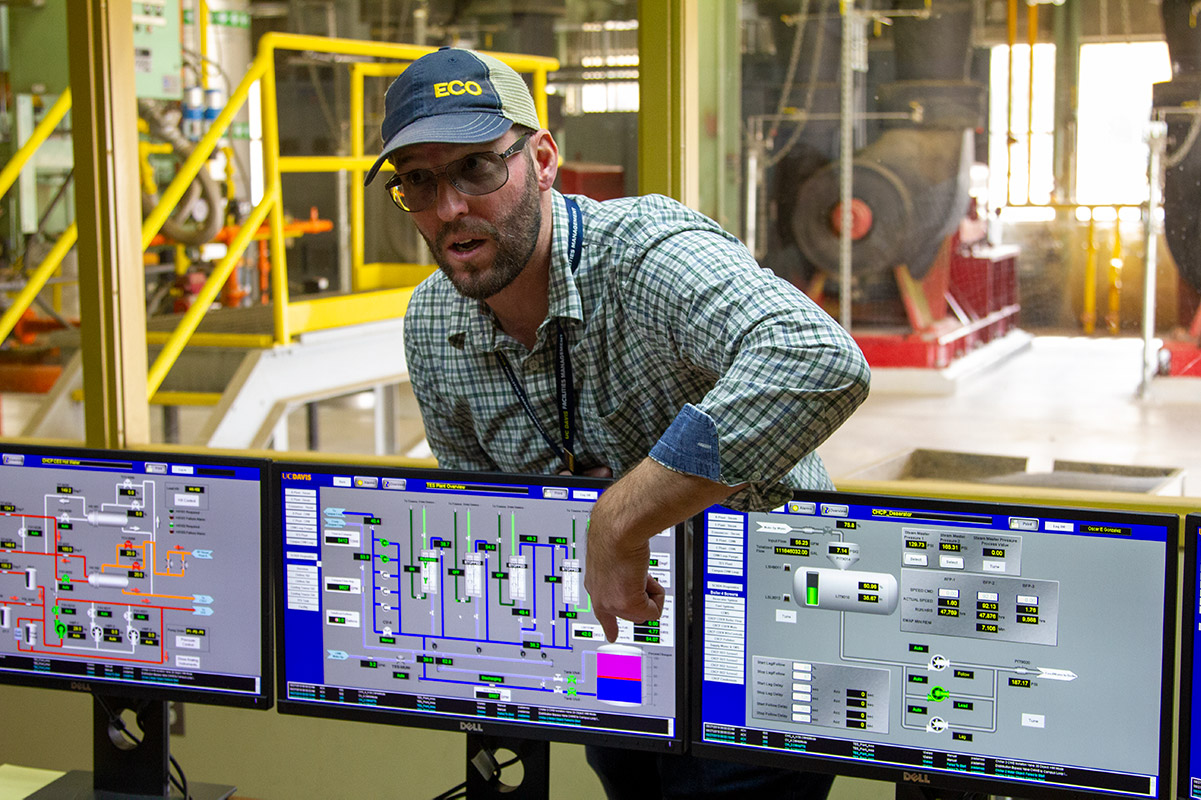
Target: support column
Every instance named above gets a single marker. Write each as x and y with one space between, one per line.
109 214
668 128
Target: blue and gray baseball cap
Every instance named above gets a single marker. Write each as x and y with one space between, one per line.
454 96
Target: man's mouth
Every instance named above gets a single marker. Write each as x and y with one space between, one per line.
465 245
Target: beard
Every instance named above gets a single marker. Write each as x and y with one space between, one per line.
515 235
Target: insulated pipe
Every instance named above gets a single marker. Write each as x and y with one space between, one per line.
1011 30
1031 38
1176 101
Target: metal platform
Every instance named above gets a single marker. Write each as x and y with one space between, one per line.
252 389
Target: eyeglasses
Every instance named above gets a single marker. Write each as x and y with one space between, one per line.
475 174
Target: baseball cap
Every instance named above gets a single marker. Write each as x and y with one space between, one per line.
455 96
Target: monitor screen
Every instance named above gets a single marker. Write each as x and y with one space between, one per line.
977 646
1189 764
137 574
455 600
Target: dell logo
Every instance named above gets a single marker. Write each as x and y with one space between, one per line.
916 777
471 727
79 686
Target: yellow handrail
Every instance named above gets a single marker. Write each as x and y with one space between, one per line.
37 280
208 293
41 132
270 208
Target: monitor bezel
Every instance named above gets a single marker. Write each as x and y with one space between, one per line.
936 778
1190 586
677 743
265 697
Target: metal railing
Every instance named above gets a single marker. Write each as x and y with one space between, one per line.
289 318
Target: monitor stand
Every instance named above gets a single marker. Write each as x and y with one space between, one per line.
484 776
121 769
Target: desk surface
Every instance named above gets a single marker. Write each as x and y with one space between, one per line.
17 783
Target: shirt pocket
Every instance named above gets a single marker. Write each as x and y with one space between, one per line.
626 421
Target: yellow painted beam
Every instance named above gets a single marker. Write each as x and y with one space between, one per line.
172 398
250 341
390 276
326 163
108 211
668 128
334 312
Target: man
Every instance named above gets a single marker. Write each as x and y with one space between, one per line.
631 338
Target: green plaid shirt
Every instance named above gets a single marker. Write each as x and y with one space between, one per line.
682 348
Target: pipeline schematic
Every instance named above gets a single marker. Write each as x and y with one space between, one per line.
457 600
131 571
952 640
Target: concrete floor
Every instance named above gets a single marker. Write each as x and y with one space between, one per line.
1067 398
1058 398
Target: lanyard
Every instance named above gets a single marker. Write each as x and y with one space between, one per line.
563 373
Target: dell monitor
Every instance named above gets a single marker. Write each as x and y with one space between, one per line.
456 601
977 646
1189 762
140 578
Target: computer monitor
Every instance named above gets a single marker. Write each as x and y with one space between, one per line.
140 578
1018 650
1189 762
456 601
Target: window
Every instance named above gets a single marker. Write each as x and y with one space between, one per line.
1113 113
1021 171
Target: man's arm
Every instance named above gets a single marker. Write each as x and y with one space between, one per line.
649 499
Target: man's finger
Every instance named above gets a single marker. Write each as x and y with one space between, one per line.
609 624
656 593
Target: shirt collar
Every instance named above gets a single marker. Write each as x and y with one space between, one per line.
470 324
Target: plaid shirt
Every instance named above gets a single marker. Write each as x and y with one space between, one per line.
682 348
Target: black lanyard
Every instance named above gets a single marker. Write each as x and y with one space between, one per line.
563 374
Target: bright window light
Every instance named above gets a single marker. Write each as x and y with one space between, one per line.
1114 112
1030 119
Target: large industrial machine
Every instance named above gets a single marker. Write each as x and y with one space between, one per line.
916 291
1176 102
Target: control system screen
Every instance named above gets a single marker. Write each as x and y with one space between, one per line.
134 573
966 645
457 600
1189 764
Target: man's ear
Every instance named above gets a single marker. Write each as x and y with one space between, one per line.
546 159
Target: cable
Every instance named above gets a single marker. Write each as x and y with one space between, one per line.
795 136
460 791
115 723
182 783
453 792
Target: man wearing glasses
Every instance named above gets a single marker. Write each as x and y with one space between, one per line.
632 338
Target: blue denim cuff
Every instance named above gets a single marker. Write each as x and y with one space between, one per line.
689 445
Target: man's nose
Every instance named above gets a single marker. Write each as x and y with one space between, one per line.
451 203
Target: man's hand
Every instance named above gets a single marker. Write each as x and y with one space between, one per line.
646 501
615 573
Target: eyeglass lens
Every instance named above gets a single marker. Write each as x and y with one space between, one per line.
474 174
